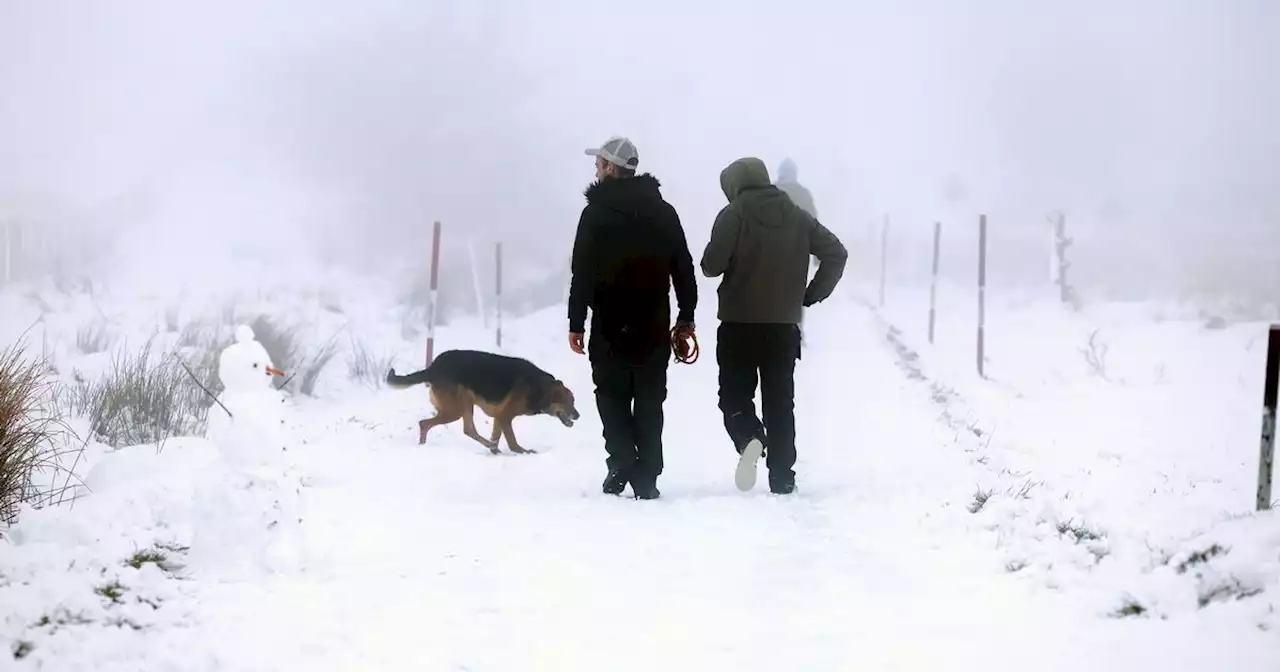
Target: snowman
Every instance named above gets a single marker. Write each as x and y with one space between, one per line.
249 509
247 422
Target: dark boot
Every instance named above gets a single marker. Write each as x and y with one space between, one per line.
782 485
645 490
614 483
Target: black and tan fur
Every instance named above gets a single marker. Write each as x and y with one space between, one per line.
503 387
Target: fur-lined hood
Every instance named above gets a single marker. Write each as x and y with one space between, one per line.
623 188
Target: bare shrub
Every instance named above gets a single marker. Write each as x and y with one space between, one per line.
1129 607
199 345
367 368
140 401
314 364
229 316
1079 533
281 343
1096 356
287 352
204 336
980 499
1200 557
171 318
31 431
93 338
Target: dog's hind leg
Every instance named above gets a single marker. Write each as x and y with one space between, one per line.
469 428
447 411
504 423
427 423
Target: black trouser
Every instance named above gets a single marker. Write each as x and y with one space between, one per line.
630 391
767 353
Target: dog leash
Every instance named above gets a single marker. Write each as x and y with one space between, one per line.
684 344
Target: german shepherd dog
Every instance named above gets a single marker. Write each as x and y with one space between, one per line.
503 387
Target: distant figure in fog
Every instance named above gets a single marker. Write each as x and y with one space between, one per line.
800 196
798 193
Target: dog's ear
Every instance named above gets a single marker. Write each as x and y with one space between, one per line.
562 392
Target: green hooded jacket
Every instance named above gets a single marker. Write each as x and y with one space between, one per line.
761 243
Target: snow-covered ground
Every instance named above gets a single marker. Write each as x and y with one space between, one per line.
1117 532
1135 423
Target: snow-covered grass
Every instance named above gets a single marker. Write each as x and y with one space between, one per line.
941 522
1128 432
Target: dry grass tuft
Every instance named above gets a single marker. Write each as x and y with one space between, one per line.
142 402
367 368
31 433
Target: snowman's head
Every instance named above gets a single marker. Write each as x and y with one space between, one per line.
244 366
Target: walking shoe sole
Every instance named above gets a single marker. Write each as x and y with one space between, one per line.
745 476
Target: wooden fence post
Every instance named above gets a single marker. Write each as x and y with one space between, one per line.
884 255
933 283
476 284
1266 457
8 251
435 279
982 293
1060 244
497 303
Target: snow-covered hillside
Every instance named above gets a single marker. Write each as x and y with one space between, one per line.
1047 518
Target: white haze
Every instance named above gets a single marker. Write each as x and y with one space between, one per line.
345 129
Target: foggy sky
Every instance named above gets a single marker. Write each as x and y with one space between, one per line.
350 127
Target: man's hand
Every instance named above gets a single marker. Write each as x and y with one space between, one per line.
684 342
575 343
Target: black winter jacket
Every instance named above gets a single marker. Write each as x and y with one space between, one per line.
630 250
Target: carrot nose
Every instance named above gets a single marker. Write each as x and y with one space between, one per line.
274 371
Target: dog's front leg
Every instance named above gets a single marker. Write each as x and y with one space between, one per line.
469 428
505 424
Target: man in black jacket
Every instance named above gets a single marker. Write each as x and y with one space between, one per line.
629 251
762 242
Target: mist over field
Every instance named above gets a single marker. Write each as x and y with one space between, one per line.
193 194
153 133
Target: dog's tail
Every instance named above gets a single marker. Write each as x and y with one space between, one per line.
409 380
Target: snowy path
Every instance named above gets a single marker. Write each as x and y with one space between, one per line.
444 557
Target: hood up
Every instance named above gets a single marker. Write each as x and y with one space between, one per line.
743 174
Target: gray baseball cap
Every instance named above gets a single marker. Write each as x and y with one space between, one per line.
619 151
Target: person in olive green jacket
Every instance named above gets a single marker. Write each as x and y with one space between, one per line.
761 243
